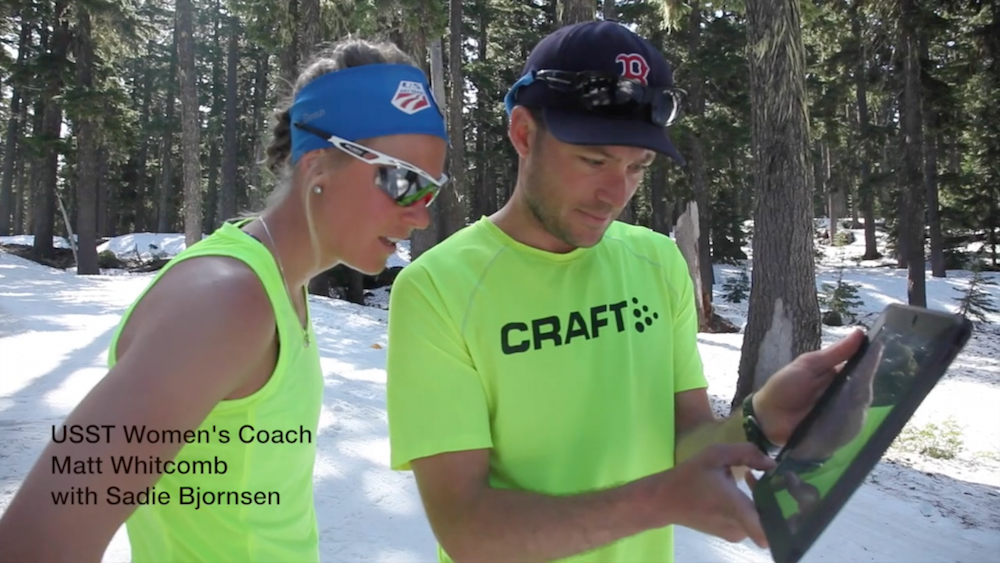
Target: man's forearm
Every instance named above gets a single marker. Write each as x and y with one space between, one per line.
507 525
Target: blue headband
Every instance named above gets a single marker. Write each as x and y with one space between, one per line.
363 102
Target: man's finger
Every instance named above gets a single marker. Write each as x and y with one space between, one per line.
744 454
749 520
830 357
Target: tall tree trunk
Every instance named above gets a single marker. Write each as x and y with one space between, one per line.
44 200
455 208
575 11
661 220
911 136
22 185
288 59
687 236
189 122
310 29
416 35
165 205
140 221
103 191
483 195
11 147
261 73
931 181
699 173
227 206
609 12
422 240
214 129
933 207
830 187
783 319
865 190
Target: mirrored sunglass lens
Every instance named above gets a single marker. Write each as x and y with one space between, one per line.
406 186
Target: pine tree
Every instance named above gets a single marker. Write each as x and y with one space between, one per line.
841 299
737 287
974 301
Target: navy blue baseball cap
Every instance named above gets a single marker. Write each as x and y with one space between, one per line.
605 47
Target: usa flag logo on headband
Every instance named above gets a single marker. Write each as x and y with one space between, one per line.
410 97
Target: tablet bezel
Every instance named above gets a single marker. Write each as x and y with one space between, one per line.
786 548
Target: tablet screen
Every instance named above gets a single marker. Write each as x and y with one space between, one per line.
805 474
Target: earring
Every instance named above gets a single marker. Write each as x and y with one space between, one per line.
317 189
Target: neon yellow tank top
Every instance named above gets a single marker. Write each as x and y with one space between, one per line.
258 506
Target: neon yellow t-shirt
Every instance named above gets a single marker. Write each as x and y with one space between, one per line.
566 365
265 511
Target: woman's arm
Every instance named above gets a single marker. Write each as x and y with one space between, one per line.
193 340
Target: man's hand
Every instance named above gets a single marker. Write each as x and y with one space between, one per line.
702 494
844 417
791 393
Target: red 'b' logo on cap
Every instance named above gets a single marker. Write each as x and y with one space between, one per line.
634 66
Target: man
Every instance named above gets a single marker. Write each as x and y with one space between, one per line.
544 382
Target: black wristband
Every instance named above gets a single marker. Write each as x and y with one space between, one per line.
752 430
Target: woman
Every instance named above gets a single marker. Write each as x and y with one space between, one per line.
218 355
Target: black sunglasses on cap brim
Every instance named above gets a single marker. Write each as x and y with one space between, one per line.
612 95
405 183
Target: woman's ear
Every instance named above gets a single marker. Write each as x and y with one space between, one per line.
309 163
314 164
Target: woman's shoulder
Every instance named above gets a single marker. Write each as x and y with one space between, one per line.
220 293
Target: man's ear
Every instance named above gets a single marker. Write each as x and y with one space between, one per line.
522 131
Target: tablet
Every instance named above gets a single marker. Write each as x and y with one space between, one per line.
836 446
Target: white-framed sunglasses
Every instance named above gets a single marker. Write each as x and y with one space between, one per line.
405 183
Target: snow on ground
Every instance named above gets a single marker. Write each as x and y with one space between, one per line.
29 240
913 508
144 246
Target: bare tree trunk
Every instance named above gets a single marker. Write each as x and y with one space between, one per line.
422 240
189 123
699 168
865 190
609 11
483 194
288 59
661 220
11 145
261 72
87 158
575 11
416 35
213 130
140 219
783 319
911 137
931 181
310 28
108 195
22 184
455 209
830 186
688 238
227 203
933 207
44 200
165 207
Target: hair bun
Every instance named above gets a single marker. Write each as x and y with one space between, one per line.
280 148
